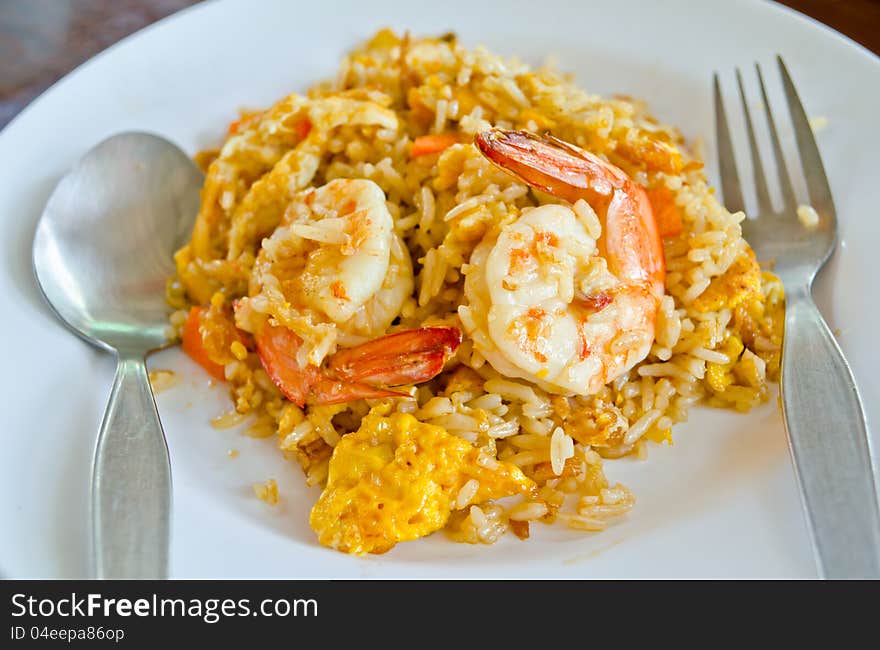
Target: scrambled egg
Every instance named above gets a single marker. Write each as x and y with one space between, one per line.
397 479
757 302
740 283
764 318
719 376
741 382
267 492
651 149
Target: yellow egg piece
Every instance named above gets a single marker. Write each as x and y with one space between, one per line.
719 376
397 479
740 283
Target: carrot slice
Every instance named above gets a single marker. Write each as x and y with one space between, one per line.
244 120
233 127
666 213
302 128
428 144
194 346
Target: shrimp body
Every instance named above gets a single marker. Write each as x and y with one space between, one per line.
566 296
267 159
334 272
343 234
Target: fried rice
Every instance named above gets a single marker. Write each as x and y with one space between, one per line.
718 331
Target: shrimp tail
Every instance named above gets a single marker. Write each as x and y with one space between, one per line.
360 372
548 164
405 357
327 390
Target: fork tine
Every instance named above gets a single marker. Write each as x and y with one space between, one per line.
726 160
788 196
765 206
811 161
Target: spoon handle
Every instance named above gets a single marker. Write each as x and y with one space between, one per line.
131 481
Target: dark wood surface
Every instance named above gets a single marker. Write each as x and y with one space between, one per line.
42 40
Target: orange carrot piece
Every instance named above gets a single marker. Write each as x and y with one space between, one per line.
428 144
194 346
666 213
302 128
244 120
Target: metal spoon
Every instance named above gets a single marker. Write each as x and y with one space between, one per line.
102 255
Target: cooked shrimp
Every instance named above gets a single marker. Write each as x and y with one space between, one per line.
334 271
262 207
566 296
361 372
270 157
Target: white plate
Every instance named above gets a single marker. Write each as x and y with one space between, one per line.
721 503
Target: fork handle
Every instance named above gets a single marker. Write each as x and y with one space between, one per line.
131 481
829 443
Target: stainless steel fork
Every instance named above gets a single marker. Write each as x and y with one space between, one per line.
823 414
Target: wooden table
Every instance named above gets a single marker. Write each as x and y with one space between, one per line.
42 40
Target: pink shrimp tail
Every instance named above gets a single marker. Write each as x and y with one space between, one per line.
361 372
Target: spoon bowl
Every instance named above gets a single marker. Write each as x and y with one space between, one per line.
102 256
103 248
